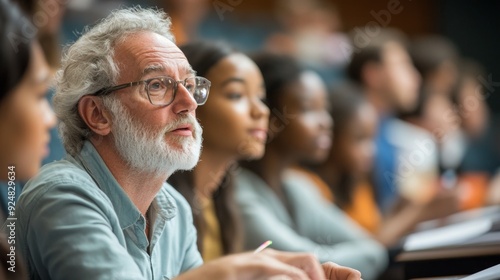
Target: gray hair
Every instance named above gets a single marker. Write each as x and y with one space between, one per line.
88 66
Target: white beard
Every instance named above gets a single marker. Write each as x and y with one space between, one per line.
145 150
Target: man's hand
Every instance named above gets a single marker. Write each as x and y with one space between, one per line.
334 271
270 265
311 266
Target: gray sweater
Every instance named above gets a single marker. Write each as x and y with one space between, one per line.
315 225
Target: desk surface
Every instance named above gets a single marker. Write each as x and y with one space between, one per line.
464 257
449 253
487 274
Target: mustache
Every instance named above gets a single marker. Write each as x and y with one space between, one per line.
186 119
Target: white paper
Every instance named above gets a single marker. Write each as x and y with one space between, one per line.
447 235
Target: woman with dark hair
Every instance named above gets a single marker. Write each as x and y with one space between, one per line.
235 124
349 165
25 115
284 206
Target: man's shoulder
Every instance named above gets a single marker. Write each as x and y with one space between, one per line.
59 176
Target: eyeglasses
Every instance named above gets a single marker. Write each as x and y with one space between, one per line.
161 90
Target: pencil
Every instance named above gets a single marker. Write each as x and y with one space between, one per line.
263 246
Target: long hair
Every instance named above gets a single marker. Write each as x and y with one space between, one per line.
15 47
225 210
344 101
15 56
203 56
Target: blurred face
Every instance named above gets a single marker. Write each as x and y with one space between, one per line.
354 146
302 128
25 121
443 79
472 107
149 138
401 79
235 119
439 117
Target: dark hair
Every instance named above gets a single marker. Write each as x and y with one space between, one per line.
15 52
278 72
429 52
345 100
372 51
418 110
467 69
15 46
203 56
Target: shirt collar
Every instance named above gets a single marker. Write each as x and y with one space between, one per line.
164 204
92 162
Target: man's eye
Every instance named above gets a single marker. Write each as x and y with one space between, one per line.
156 85
190 87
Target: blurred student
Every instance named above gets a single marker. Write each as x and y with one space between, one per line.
25 114
419 141
347 170
405 173
436 59
281 205
477 147
235 122
470 97
49 35
390 83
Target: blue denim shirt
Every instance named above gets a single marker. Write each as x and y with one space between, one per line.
385 167
75 222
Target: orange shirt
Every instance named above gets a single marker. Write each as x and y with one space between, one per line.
364 209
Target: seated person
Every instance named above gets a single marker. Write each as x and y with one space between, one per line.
235 121
126 97
25 121
283 206
347 170
390 83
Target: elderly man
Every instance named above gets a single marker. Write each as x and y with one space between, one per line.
126 97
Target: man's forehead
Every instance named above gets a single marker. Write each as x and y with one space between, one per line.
180 67
151 52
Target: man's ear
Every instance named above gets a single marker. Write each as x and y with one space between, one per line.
93 113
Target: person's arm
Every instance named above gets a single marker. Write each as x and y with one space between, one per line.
69 234
325 231
363 254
